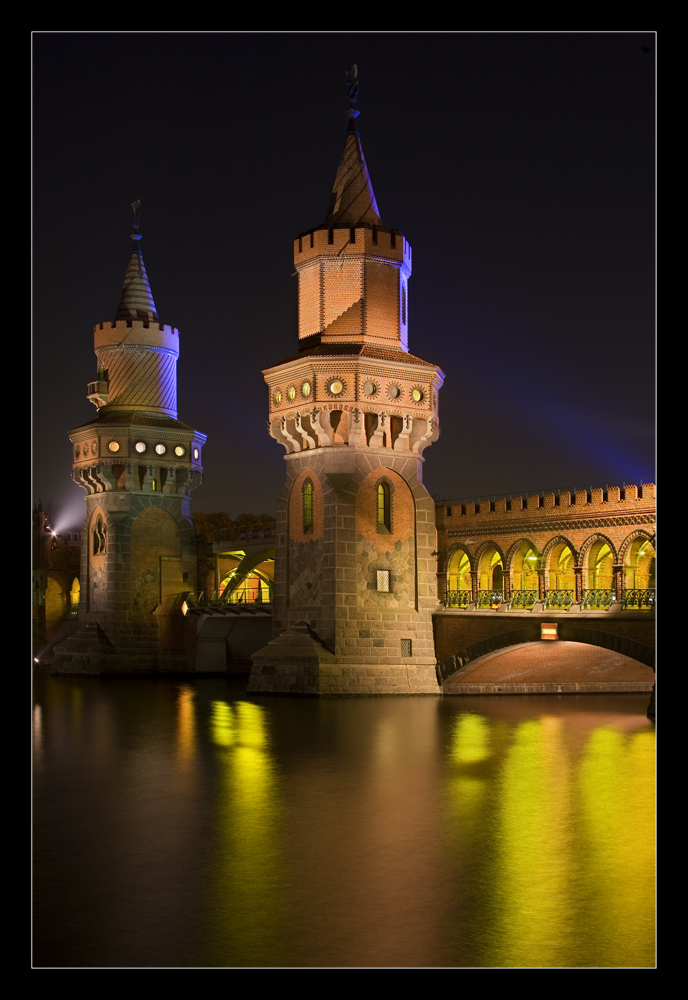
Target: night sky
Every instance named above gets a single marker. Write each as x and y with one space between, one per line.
520 167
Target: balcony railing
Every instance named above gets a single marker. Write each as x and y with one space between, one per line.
640 600
559 599
600 599
489 598
457 599
523 599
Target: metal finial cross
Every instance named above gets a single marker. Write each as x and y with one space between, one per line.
352 84
136 212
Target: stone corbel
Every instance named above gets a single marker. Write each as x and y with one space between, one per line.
377 438
402 441
321 425
424 437
302 430
357 435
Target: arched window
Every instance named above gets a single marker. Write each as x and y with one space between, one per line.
384 514
307 506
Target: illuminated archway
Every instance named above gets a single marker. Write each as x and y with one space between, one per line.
525 563
639 565
490 575
253 589
599 565
74 596
459 583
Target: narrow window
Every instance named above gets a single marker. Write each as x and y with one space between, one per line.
403 304
307 506
383 581
384 522
406 647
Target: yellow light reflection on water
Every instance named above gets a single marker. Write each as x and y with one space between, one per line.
616 787
186 724
246 901
533 852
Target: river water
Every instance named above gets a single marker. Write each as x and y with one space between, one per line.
185 824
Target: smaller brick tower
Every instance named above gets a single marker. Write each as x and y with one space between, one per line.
355 576
138 464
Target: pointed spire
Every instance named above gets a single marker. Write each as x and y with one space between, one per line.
136 300
353 201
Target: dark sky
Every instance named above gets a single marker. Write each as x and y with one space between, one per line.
520 167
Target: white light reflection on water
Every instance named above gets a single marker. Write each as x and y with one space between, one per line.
188 825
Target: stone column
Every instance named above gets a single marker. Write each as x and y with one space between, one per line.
578 575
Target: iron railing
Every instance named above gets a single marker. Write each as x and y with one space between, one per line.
641 600
561 599
488 598
457 599
600 599
524 599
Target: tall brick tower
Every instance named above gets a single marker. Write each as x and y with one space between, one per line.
138 464
355 576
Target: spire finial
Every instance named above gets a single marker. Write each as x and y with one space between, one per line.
136 212
352 92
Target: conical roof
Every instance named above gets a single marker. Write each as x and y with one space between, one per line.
136 300
353 201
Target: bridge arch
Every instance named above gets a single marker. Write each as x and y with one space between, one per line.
531 633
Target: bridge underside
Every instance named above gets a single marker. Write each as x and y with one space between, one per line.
550 667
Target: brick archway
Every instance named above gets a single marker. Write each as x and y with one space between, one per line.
531 633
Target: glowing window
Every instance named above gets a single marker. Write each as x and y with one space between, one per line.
306 389
383 581
308 506
384 521
179 451
140 446
160 449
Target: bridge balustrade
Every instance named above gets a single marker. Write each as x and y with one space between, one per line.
640 600
523 599
489 598
457 599
599 599
559 599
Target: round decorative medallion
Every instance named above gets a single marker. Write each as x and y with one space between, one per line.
291 393
335 386
306 389
77 450
393 391
140 446
160 449
113 445
277 398
370 388
417 395
179 451
94 448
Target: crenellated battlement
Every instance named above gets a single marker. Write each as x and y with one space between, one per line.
135 333
374 241
583 502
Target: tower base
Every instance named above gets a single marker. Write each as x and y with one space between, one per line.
298 663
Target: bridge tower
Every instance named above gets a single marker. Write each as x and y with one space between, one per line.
138 464
355 575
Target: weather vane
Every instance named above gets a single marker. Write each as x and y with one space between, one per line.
352 91
136 212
